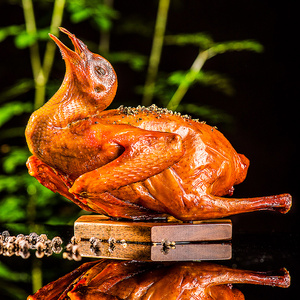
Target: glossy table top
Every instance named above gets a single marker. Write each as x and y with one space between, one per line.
268 249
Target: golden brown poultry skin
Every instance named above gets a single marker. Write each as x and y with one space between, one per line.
115 280
132 162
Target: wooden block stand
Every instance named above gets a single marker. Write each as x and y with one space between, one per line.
161 240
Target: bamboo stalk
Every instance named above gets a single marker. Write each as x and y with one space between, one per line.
36 274
189 79
56 21
155 56
104 43
41 72
31 29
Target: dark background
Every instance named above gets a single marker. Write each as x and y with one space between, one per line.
264 107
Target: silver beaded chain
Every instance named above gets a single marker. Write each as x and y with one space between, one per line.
21 245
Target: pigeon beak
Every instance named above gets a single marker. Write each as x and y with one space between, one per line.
74 57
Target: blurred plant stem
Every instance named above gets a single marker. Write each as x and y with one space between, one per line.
160 27
36 273
190 77
104 43
41 71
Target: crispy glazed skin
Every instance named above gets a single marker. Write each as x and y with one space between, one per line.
113 280
132 162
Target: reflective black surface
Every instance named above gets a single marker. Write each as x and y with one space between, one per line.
252 249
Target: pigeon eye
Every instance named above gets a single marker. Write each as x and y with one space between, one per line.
98 89
100 71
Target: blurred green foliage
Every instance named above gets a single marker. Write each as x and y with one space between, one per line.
99 13
23 199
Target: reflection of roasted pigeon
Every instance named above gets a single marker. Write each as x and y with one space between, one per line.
132 162
113 280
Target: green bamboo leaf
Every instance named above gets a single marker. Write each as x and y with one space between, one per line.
135 60
81 15
200 39
176 77
11 109
20 87
103 22
207 78
99 13
10 209
103 16
15 158
8 274
24 40
249 45
43 34
10 31
215 80
10 184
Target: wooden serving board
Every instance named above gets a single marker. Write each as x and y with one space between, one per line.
161 240
103 228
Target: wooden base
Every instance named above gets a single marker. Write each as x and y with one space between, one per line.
163 240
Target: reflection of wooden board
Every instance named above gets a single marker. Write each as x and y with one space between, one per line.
101 227
161 240
192 251
157 252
